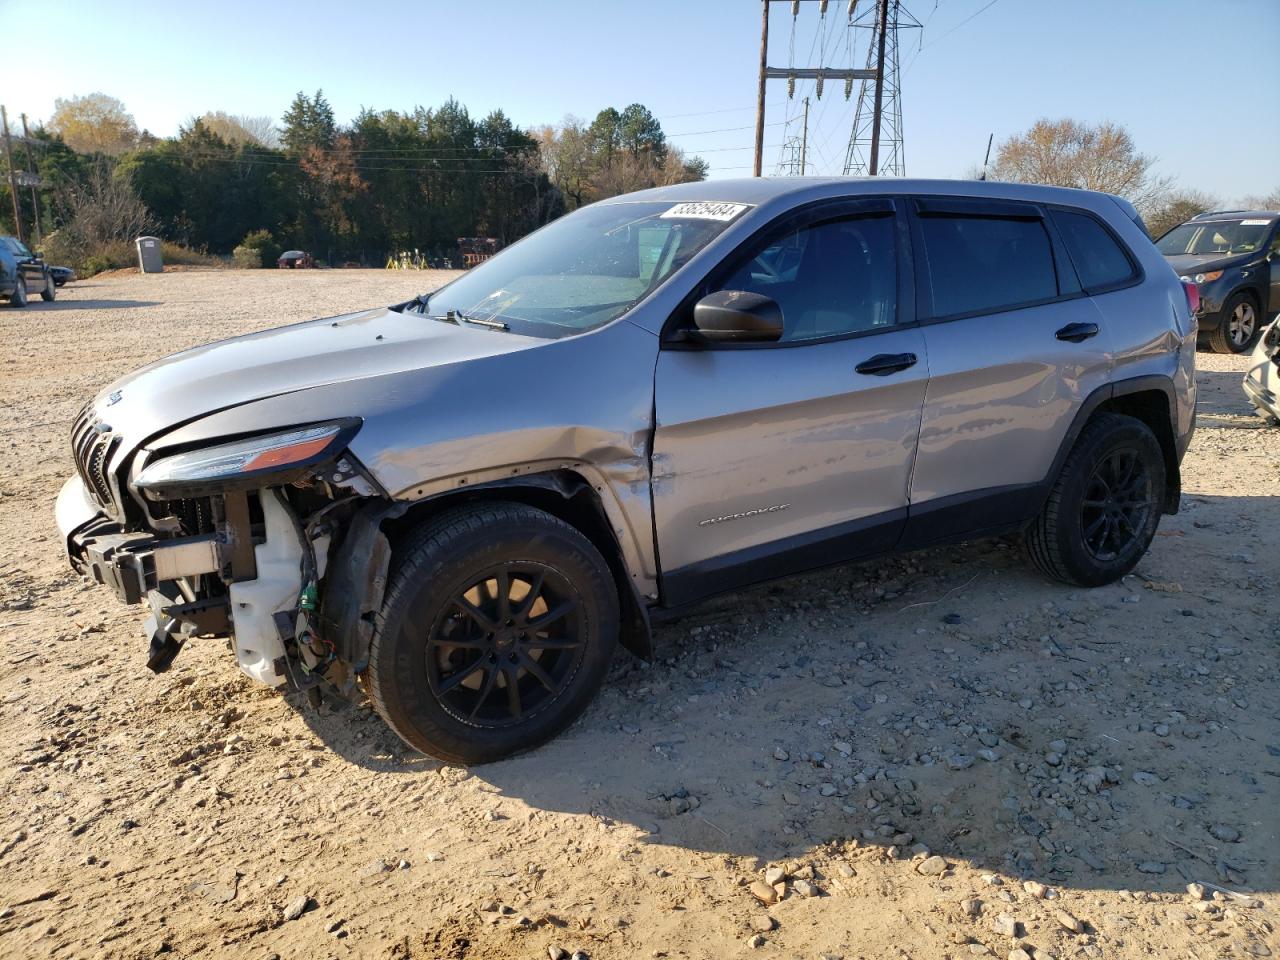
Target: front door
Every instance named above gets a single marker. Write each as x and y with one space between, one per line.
774 458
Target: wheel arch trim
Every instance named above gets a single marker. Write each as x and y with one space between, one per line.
1106 397
579 494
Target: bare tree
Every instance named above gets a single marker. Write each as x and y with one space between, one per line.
241 128
95 212
1069 153
1270 202
1178 207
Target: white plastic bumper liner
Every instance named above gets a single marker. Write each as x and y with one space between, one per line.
254 603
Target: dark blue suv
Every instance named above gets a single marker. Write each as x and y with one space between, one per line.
23 273
1233 257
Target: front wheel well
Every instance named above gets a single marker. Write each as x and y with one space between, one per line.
1152 407
568 496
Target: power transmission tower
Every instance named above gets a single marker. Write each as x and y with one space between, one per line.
876 140
791 73
797 149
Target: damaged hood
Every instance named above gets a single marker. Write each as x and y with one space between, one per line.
301 357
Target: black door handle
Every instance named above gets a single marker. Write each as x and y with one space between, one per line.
883 364
1077 332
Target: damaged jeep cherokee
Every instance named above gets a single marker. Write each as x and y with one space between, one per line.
460 505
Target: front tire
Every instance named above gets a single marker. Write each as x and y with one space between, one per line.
49 291
497 630
1239 327
19 296
1103 509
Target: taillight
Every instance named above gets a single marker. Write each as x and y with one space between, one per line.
1193 296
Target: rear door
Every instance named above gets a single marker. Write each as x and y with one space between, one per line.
1015 346
779 457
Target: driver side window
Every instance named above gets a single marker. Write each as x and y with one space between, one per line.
829 279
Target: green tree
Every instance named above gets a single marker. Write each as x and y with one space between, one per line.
308 122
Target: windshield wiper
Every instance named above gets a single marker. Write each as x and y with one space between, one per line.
479 321
418 303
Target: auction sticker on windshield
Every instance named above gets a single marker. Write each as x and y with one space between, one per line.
700 210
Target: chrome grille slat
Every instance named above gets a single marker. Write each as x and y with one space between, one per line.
92 451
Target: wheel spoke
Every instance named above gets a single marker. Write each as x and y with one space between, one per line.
513 693
466 643
486 688
538 643
454 680
504 594
475 613
1090 530
559 612
530 598
535 669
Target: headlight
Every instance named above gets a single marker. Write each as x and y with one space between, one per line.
1208 277
270 460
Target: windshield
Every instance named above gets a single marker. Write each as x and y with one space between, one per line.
1202 238
586 269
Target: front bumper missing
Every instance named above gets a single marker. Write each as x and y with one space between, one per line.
138 567
134 564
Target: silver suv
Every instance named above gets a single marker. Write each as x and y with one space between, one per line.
459 506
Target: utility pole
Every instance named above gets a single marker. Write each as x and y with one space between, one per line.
793 73
804 141
13 177
764 61
31 169
875 120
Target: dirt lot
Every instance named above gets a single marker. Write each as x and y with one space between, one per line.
944 755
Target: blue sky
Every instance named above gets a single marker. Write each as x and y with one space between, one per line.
1177 73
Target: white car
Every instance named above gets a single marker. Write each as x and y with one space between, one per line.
1262 382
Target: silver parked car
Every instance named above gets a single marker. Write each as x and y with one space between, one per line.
458 506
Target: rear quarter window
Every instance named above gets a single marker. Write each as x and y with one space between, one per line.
979 264
1099 259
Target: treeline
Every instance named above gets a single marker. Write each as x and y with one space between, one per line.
356 192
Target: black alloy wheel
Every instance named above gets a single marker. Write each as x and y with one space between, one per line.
1117 505
496 631
1103 508
507 646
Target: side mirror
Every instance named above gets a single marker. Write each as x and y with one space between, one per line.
736 316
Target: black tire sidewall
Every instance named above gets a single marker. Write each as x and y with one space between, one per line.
1084 567
422 586
19 298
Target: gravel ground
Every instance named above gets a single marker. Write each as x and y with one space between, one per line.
934 756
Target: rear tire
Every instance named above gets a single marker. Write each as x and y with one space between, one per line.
1238 331
498 628
1103 509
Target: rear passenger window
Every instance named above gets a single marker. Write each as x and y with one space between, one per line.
979 264
1099 259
